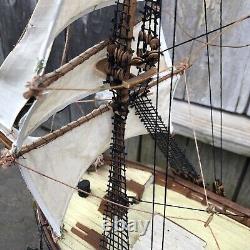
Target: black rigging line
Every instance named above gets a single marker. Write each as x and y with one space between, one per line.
156 121
205 34
194 209
209 86
169 116
221 93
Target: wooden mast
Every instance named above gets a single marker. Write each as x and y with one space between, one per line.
5 141
115 235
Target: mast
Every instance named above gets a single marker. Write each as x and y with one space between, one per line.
115 235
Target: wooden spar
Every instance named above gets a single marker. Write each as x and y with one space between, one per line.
5 141
101 66
39 83
59 132
178 71
143 77
133 81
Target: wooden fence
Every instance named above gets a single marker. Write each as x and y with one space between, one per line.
89 30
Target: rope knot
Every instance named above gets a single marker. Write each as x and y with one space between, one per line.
182 66
211 210
34 87
6 159
96 164
218 187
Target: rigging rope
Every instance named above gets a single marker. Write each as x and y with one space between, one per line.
195 138
221 94
177 160
117 204
120 205
66 46
151 14
197 52
209 86
169 117
183 29
209 32
16 163
119 55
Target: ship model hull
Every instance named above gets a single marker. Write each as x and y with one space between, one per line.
186 228
118 204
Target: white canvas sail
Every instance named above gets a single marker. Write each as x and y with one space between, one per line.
47 21
83 76
67 157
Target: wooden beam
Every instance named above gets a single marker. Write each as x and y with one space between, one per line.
5 141
235 129
133 81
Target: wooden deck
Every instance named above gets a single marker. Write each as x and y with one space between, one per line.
83 221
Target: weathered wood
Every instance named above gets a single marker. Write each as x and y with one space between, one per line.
191 21
235 129
189 15
5 141
231 168
147 152
243 195
132 146
14 16
1 52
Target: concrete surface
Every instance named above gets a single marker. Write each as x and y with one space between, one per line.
18 229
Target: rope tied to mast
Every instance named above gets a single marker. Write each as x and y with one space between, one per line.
6 158
182 66
34 87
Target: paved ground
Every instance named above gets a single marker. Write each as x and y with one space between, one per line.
17 224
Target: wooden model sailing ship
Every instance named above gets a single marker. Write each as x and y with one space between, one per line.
78 208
